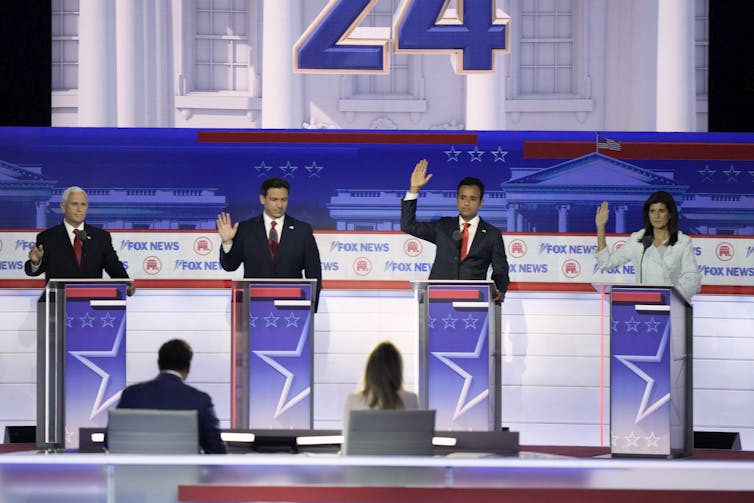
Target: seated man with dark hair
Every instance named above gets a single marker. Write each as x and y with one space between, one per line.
168 391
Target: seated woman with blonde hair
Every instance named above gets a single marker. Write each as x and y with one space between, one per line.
383 384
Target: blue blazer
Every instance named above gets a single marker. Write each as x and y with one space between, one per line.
169 392
297 255
487 248
59 259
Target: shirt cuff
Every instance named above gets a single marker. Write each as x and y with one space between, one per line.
410 196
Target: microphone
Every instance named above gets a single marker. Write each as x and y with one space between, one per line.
647 242
81 235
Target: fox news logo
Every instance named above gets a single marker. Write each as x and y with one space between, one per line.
354 246
22 244
128 244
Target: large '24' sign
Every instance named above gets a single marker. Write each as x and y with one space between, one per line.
420 26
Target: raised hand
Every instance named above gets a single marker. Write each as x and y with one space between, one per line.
603 213
36 254
226 230
419 176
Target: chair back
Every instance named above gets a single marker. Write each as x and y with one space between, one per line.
152 431
398 432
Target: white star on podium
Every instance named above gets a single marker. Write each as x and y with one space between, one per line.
462 406
100 403
627 360
267 355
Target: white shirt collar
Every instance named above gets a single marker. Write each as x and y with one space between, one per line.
474 222
268 219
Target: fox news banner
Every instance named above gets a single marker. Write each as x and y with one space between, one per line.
394 256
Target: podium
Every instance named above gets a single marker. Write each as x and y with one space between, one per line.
272 359
459 354
81 357
651 372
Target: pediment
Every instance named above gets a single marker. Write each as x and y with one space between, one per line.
14 173
591 170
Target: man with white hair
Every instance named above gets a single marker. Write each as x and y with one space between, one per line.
73 249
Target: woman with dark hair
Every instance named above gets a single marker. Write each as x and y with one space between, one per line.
661 254
383 384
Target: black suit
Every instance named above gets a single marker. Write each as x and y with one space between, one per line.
169 392
487 248
59 259
296 254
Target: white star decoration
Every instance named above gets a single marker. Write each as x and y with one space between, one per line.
313 169
107 320
87 321
288 169
476 154
632 325
707 173
271 320
632 439
652 325
253 320
452 154
100 403
470 321
652 440
462 406
292 320
267 355
732 174
499 154
263 170
627 360
449 321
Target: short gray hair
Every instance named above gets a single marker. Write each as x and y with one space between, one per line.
71 190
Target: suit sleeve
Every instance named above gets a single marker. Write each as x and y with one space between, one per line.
111 262
42 264
500 264
209 429
689 281
312 263
409 225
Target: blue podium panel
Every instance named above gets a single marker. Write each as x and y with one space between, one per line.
459 376
95 350
81 357
274 389
650 372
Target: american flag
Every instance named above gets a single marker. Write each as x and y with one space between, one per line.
608 143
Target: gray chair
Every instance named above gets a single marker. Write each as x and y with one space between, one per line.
151 431
390 432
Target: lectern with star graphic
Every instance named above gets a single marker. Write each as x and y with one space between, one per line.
81 357
459 354
271 369
650 372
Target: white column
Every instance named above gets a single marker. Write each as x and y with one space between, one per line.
129 36
563 217
485 98
676 100
40 220
620 218
512 218
282 100
97 63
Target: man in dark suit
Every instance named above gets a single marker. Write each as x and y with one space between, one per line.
167 391
273 244
74 249
466 244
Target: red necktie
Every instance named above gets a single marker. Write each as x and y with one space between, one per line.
273 242
77 246
464 239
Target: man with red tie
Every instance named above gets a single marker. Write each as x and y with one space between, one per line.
466 244
273 244
74 249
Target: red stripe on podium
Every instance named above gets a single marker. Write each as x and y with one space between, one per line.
638 297
275 293
395 494
91 293
642 150
341 137
454 294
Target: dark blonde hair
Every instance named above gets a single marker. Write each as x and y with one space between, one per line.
383 377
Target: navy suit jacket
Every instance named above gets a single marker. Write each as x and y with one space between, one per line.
487 248
169 392
59 259
297 255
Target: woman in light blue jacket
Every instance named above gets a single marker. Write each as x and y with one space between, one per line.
661 254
